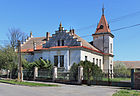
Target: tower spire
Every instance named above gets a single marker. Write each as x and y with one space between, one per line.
60 27
103 25
60 24
103 10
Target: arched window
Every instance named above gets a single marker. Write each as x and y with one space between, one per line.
101 27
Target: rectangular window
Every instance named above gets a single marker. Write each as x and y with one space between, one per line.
93 60
62 61
111 66
85 58
58 42
56 61
96 61
111 50
62 42
100 62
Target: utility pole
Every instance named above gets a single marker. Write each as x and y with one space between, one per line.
19 62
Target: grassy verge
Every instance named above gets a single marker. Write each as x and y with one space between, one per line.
27 83
127 93
117 79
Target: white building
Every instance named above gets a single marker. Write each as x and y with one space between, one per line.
65 47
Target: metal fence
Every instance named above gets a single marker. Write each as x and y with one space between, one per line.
28 74
115 75
62 74
106 75
47 74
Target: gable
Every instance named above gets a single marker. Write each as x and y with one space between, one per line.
69 40
28 45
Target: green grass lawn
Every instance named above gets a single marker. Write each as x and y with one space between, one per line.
27 83
117 79
127 93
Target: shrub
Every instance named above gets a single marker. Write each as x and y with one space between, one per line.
41 64
90 71
74 72
97 73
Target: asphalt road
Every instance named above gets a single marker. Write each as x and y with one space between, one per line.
63 90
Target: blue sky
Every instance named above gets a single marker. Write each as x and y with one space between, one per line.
41 16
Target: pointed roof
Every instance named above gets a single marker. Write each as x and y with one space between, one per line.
103 26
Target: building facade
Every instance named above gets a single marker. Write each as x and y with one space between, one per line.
65 47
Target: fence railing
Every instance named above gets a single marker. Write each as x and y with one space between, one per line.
63 75
28 74
45 74
115 75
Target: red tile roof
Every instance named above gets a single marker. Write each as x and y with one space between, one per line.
103 22
129 64
29 44
39 48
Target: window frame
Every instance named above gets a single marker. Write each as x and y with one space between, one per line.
56 60
62 42
111 48
100 62
58 43
96 61
93 60
61 60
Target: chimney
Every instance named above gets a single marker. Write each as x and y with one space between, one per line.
27 38
31 35
72 31
34 45
47 36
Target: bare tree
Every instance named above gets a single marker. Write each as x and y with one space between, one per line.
14 35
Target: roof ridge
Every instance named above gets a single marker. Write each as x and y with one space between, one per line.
127 61
39 37
90 46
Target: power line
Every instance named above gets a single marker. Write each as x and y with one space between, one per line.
126 27
111 20
85 36
87 27
124 17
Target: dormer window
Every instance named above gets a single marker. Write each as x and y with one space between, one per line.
101 27
60 42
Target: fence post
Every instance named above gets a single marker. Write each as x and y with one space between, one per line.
132 78
21 74
80 74
8 71
54 73
35 72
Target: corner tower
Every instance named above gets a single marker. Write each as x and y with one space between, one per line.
103 40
